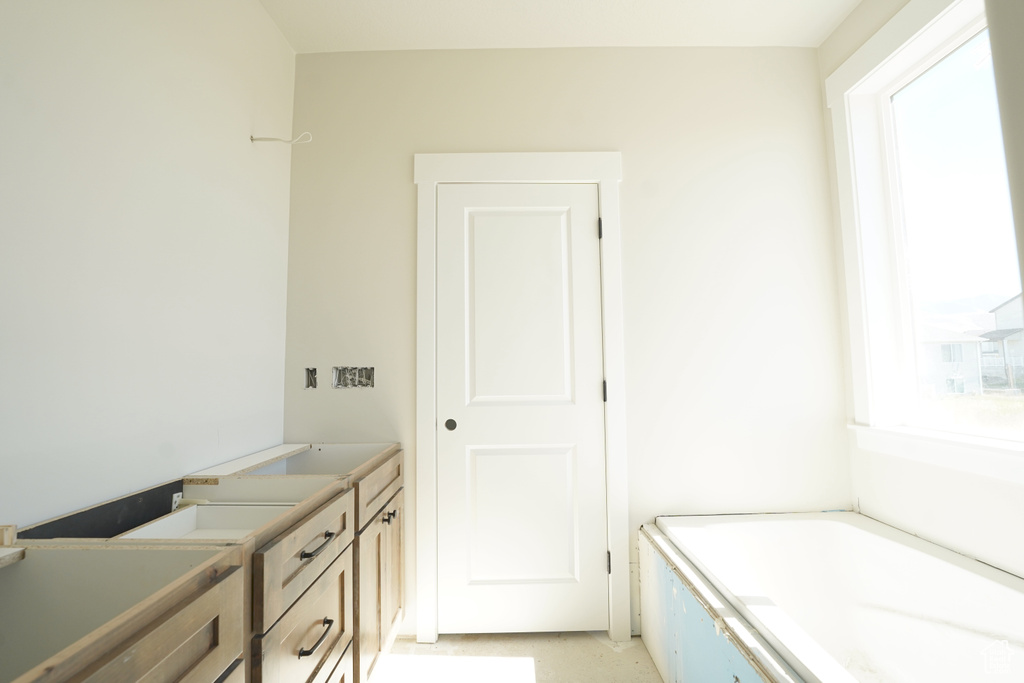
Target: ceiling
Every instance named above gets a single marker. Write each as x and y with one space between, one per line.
368 25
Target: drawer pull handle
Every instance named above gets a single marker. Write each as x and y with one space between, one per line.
389 516
305 653
319 549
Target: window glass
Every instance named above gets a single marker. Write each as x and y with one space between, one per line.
960 251
952 353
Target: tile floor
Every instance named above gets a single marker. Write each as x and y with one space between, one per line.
518 658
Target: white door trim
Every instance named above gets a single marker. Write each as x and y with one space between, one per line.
605 170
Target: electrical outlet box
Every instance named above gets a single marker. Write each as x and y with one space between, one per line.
348 377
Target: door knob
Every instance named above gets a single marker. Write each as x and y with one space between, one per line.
450 425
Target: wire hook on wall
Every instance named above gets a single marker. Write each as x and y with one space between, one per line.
301 140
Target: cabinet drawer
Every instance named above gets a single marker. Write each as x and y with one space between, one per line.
188 630
193 643
284 568
235 674
377 487
309 641
343 672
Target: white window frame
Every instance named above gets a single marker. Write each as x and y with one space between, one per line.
878 303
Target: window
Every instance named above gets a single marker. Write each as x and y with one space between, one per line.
952 353
955 226
933 284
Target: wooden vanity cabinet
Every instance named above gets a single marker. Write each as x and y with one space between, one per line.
246 615
55 604
376 475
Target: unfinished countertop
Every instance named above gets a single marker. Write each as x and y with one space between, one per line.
354 455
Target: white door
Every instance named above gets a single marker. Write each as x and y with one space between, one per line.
522 530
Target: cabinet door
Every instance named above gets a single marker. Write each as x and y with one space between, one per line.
380 585
370 548
393 573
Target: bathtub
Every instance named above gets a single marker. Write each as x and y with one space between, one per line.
832 597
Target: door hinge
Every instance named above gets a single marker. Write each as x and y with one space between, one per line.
609 561
600 228
604 389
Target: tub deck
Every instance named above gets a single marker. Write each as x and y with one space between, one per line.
842 597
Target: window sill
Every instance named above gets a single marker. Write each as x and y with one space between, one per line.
996 458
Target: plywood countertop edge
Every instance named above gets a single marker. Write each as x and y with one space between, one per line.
9 556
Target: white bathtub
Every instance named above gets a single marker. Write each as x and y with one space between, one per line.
840 597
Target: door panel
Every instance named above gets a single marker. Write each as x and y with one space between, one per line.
518 319
513 542
521 490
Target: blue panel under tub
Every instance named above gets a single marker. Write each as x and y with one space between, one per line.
698 653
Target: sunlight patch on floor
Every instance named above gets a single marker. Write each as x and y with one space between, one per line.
393 668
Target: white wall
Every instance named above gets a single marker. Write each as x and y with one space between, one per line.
978 515
144 244
865 19
735 399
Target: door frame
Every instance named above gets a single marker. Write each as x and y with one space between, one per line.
603 169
